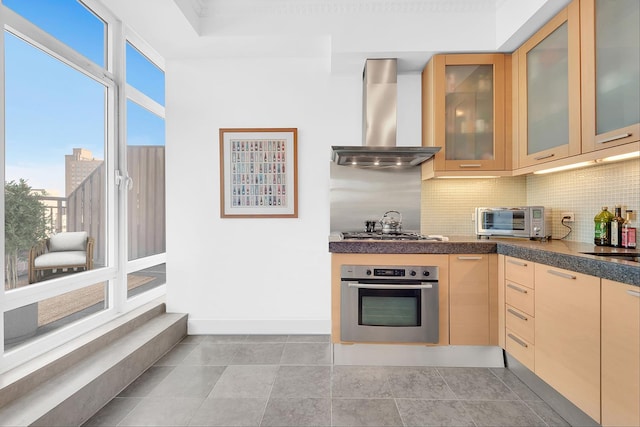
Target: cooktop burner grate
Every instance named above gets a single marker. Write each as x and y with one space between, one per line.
378 235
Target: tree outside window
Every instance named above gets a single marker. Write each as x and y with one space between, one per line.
25 223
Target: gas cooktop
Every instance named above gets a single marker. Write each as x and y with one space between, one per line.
378 235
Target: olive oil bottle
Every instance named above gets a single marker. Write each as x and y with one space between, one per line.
602 227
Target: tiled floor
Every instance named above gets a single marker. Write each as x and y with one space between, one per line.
289 381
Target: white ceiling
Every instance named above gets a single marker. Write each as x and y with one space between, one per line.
344 32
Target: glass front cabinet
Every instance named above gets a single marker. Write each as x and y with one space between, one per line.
610 37
464 113
547 68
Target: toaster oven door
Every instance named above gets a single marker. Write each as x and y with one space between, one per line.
503 222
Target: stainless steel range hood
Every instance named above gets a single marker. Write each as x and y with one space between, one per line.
379 122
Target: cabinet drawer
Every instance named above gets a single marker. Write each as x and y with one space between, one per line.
521 323
521 349
519 271
519 297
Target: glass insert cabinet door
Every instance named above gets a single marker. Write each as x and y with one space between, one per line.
469 112
549 91
610 70
468 105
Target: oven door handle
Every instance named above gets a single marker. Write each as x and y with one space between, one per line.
357 285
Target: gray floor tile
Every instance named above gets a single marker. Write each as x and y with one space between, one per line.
229 412
416 412
163 411
306 354
476 384
502 413
240 380
146 382
258 353
544 411
113 412
176 355
266 338
309 338
243 381
360 382
418 382
365 412
193 339
297 412
225 338
302 381
208 353
514 383
188 381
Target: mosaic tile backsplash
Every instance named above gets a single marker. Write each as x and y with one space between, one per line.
448 204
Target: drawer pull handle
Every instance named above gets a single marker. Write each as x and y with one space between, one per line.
563 275
544 157
520 263
469 258
516 288
614 138
471 165
518 340
633 293
518 315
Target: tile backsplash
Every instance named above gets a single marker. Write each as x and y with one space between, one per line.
447 204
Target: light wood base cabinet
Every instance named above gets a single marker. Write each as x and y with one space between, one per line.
473 299
620 354
567 335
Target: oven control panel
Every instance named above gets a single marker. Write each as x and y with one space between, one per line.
354 272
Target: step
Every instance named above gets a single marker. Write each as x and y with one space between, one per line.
68 385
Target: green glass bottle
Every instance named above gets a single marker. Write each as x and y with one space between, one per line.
603 227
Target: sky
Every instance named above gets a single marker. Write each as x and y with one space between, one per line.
51 108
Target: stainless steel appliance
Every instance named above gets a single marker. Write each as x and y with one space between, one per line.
379 235
389 304
533 222
379 122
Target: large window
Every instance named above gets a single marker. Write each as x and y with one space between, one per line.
65 244
145 168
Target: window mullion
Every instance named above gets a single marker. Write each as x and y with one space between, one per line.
27 31
144 101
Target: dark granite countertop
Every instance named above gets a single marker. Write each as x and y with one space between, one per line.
556 253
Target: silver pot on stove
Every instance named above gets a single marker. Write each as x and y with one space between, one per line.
391 222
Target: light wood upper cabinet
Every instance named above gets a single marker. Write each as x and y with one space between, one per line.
567 335
464 102
548 80
610 38
620 354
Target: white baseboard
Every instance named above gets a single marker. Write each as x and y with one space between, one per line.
258 326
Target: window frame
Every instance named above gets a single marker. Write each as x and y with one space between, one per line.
117 268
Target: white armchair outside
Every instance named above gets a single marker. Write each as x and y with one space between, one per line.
61 253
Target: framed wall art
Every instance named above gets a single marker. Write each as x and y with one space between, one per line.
258 173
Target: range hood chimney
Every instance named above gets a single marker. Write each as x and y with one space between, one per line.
379 124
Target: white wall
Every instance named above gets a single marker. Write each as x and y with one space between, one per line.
252 275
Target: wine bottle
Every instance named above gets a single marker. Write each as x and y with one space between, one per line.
616 227
628 232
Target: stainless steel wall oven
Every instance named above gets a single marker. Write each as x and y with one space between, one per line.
389 304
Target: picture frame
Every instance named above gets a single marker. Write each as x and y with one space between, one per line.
258 172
